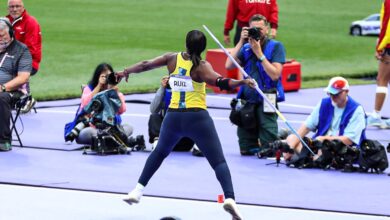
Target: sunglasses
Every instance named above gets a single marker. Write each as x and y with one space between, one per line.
335 95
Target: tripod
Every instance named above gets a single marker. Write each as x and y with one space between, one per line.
278 154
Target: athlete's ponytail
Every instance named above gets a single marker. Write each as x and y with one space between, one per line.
196 44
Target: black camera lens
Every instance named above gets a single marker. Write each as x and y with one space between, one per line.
254 33
112 79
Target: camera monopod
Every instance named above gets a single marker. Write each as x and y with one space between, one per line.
246 76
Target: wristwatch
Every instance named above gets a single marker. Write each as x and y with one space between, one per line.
3 88
262 58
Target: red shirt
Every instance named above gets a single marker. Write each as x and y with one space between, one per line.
27 30
243 10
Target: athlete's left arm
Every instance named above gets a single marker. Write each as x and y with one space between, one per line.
145 65
207 74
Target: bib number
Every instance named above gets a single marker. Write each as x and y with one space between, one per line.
181 83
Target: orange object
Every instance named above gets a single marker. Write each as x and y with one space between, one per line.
220 198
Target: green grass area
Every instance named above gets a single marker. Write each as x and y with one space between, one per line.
77 35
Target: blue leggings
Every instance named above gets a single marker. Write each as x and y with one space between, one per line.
198 126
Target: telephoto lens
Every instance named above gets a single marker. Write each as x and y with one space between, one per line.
76 131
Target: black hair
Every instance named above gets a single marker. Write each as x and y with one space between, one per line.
99 69
196 43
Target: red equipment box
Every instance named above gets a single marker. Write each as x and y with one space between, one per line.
291 76
291 73
217 59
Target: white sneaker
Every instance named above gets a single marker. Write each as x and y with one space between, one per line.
374 121
133 197
231 207
385 124
155 143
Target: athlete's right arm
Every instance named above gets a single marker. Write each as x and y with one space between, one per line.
146 65
207 74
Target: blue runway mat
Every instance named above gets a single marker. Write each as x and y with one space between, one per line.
185 176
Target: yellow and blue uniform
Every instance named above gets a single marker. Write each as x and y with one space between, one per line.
187 99
187 117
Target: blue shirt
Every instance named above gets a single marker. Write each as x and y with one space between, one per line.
353 130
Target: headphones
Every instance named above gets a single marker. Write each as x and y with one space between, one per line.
10 28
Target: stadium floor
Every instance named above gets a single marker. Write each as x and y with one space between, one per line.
48 162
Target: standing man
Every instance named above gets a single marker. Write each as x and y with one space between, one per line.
27 31
242 10
15 68
263 60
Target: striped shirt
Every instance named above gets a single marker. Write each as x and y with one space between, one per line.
16 58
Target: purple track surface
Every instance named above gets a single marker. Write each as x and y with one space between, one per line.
48 161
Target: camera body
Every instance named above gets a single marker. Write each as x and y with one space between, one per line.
112 79
254 33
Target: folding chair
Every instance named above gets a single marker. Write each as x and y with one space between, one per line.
19 103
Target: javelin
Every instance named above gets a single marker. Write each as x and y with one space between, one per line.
258 89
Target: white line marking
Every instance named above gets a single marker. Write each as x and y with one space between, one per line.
141 115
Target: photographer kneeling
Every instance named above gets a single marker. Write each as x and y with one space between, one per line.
82 128
337 117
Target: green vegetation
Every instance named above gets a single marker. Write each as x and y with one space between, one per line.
77 35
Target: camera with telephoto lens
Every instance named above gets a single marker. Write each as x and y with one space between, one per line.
254 33
270 151
112 79
137 143
76 130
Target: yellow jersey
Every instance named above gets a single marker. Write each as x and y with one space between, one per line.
186 93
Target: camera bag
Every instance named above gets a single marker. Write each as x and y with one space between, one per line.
372 156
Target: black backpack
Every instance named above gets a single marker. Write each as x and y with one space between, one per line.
372 156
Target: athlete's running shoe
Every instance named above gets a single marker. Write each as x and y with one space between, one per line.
231 207
133 197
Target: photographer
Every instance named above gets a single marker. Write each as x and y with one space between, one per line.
158 109
15 69
337 117
100 81
263 59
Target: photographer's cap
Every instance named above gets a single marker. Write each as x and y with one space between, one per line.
336 85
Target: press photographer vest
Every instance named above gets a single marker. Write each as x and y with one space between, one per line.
325 121
186 93
266 84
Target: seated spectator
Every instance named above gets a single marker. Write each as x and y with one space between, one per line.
337 117
15 69
98 83
158 108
